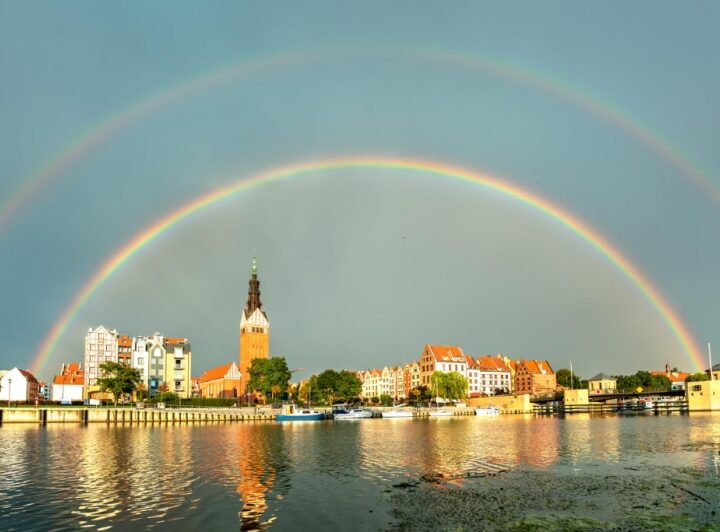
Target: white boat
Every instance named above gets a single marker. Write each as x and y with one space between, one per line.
351 413
487 411
441 412
397 412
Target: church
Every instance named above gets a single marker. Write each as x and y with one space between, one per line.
254 329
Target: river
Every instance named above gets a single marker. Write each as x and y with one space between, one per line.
350 475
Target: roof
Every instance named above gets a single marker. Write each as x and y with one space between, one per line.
471 362
446 353
489 363
71 373
29 376
124 341
537 367
217 373
602 377
673 376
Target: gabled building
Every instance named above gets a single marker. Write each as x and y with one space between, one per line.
411 378
19 385
254 330
445 358
494 375
69 385
101 345
676 378
222 381
602 384
534 377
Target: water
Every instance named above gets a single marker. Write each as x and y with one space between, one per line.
320 475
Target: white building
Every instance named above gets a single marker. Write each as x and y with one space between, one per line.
69 385
493 376
19 385
101 345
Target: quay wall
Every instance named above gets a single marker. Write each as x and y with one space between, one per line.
126 416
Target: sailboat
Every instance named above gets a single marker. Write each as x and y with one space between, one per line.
439 412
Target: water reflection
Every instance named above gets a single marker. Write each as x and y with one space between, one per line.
259 475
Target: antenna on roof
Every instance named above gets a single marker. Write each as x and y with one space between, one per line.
710 359
571 376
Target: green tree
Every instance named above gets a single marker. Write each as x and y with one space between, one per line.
343 385
562 376
266 373
385 399
451 385
697 377
118 379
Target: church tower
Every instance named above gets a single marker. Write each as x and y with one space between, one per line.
254 329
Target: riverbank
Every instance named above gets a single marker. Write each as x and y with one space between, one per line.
620 498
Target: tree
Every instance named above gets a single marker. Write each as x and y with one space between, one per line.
118 379
697 377
141 391
344 385
266 373
451 385
385 399
562 376
275 389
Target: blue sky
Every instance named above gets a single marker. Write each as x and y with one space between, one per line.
361 269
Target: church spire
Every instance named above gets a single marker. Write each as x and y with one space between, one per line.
253 300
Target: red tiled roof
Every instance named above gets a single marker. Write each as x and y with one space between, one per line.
29 376
71 373
488 363
446 353
537 366
124 341
175 341
214 374
674 376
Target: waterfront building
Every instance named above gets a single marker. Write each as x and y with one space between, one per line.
125 348
534 377
178 359
411 377
602 384
101 345
370 383
44 390
19 385
254 329
676 378
163 363
222 381
493 375
195 387
445 358
69 385
703 395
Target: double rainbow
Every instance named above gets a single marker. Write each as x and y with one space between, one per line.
565 219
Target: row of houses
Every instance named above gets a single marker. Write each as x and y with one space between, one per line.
486 375
164 362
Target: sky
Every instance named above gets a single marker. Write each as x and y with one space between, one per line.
117 114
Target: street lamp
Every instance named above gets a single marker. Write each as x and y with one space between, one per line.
9 391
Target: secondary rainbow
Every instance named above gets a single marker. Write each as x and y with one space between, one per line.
572 223
106 130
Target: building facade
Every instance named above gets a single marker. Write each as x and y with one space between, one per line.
20 386
602 384
222 382
101 345
254 330
445 358
534 377
69 385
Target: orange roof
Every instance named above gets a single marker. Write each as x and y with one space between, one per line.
214 374
175 340
124 341
471 362
446 353
674 376
71 373
537 366
488 363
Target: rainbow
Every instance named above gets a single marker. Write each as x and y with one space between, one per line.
574 224
104 131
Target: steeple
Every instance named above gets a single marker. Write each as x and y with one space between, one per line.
253 300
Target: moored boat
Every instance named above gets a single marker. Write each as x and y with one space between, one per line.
342 413
441 412
397 412
487 411
292 413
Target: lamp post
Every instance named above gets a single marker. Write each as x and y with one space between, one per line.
9 391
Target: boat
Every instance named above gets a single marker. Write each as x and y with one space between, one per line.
344 413
293 413
487 411
645 404
397 412
441 412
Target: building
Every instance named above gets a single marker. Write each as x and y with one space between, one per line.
223 382
178 365
164 363
534 377
19 385
445 358
101 345
676 378
602 384
411 378
371 383
69 385
493 376
715 372
254 330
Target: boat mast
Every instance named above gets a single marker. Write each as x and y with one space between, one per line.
710 359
